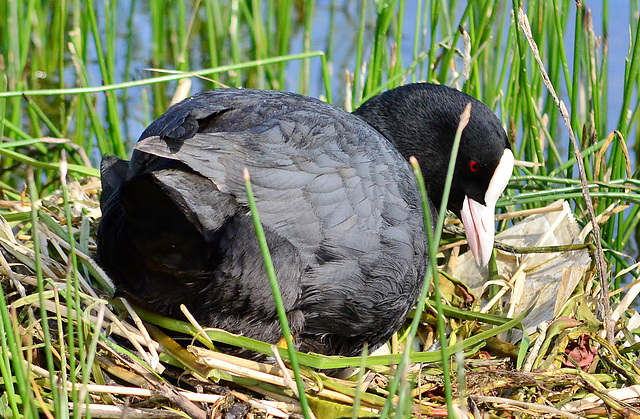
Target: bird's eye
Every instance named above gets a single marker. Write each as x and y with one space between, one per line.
474 166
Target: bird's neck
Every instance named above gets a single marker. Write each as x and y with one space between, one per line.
432 157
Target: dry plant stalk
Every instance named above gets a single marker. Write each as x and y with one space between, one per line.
523 21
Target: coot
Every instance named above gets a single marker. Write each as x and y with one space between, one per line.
336 196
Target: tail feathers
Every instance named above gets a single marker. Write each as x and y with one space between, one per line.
160 230
113 172
169 220
197 198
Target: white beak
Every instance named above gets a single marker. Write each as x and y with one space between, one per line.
478 219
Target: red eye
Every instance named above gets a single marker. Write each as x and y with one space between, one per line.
474 166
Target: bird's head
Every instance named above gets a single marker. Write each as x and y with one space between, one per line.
423 124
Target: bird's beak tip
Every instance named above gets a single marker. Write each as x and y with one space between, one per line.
479 219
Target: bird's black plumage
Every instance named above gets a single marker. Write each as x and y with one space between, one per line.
338 202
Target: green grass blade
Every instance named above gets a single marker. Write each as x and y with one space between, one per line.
282 314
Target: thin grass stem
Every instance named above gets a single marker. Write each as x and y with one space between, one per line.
44 323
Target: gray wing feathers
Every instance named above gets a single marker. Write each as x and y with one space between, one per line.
318 190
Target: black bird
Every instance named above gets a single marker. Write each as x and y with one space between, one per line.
336 196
